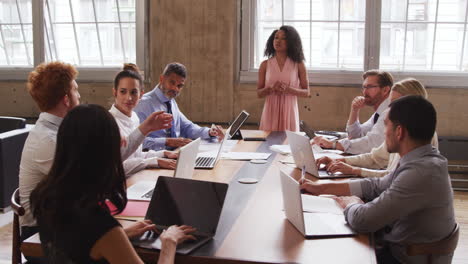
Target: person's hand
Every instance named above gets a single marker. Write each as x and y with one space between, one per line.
311 187
358 103
139 228
171 154
123 142
277 87
217 131
177 142
324 160
156 121
322 142
177 234
344 201
167 163
285 87
339 166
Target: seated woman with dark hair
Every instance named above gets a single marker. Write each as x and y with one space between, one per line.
75 225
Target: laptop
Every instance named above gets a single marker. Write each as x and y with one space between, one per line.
209 161
143 190
238 122
303 156
319 224
179 201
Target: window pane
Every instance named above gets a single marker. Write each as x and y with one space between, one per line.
353 10
449 41
325 9
269 10
412 46
297 10
394 10
92 46
451 10
324 45
16 45
351 46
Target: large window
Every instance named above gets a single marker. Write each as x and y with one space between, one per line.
425 39
97 36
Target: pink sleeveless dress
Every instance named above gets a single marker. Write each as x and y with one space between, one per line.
281 112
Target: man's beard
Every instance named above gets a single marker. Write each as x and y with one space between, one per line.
169 93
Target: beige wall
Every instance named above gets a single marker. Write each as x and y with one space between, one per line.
202 34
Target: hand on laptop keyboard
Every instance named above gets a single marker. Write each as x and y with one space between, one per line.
177 234
140 228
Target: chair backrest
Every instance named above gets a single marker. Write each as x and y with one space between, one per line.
442 247
8 123
16 243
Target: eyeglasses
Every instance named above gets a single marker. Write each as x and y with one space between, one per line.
369 87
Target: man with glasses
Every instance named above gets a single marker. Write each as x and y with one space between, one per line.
362 137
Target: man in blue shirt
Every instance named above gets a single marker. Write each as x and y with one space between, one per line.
162 97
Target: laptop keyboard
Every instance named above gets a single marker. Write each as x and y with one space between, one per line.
205 162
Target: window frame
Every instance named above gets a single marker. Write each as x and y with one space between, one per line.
248 74
91 74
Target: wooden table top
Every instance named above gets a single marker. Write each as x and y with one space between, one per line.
253 227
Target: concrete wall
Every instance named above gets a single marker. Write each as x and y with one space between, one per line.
202 34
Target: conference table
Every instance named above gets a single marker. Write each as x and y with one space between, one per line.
253 227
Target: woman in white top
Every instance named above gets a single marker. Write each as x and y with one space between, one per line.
379 162
128 89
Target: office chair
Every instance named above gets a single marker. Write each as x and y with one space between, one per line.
18 211
442 247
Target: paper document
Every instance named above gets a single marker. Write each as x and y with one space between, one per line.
282 149
245 155
317 204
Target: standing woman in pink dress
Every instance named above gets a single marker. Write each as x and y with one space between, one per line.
281 79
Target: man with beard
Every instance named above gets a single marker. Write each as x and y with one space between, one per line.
162 97
363 137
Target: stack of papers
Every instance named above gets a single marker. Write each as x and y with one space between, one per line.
282 149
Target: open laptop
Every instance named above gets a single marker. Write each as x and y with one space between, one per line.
238 122
311 224
143 190
303 156
209 161
179 201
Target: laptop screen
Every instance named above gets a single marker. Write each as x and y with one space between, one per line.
236 125
179 201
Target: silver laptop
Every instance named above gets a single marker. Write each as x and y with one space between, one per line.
184 202
143 190
303 156
209 162
311 224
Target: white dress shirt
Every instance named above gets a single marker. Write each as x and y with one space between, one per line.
137 160
363 137
36 160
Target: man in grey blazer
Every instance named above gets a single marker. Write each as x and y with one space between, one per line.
414 203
